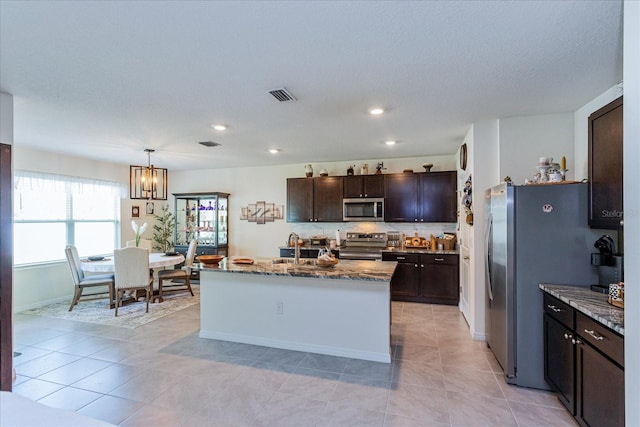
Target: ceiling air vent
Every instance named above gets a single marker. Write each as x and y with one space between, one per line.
282 95
209 143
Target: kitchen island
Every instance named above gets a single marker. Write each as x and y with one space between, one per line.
344 310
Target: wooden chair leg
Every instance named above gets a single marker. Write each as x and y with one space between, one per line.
188 282
76 296
112 287
149 295
159 298
118 297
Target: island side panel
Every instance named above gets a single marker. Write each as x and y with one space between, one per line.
348 318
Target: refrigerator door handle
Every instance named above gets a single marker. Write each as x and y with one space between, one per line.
487 259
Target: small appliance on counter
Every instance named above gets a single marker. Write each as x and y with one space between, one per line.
318 241
393 239
609 263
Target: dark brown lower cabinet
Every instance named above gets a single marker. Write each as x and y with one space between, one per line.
584 364
559 356
404 283
600 388
426 278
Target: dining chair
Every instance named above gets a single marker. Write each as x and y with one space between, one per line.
132 273
144 244
178 274
81 281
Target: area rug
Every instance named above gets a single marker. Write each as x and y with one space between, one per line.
95 309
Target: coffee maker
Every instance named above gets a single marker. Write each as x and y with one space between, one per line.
609 263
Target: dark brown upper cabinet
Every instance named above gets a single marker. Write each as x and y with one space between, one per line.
605 167
314 199
420 197
356 186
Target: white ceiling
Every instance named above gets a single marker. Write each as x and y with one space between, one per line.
107 79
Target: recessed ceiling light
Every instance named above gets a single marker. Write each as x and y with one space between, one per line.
274 150
219 127
376 111
390 142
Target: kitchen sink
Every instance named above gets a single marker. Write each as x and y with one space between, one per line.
303 261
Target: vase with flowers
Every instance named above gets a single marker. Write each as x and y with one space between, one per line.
138 230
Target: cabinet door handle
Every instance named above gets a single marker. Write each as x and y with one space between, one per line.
597 337
567 336
553 307
415 265
576 341
465 257
422 265
438 259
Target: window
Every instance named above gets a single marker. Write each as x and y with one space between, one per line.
52 211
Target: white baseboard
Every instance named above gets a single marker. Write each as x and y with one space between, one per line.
310 348
42 303
479 337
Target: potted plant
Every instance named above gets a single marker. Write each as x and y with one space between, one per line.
163 229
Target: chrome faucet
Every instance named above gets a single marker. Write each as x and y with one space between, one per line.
296 251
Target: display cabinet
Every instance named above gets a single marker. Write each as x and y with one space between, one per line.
204 217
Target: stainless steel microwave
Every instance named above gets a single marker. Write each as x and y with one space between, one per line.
363 209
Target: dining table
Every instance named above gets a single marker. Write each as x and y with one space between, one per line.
106 265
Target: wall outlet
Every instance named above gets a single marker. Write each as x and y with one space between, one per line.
279 307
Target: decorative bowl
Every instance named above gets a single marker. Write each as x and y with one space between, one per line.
95 258
323 263
210 259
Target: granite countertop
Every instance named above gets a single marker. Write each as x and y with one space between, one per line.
311 247
593 304
376 271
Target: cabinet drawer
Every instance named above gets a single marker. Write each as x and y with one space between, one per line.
400 257
559 310
439 259
601 337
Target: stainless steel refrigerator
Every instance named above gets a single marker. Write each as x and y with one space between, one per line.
533 234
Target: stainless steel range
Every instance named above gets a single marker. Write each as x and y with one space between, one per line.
364 246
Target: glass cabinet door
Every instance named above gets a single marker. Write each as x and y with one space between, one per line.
202 217
207 222
222 221
186 220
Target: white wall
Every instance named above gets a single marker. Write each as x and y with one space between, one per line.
485 157
632 208
523 140
581 129
48 162
465 231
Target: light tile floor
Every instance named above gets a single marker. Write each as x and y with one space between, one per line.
163 374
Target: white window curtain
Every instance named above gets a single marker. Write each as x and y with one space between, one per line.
53 211
44 182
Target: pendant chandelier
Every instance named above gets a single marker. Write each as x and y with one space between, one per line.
148 182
